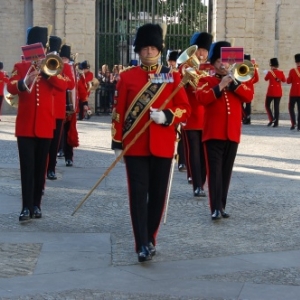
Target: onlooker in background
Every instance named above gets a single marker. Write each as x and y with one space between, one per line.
274 92
294 96
3 81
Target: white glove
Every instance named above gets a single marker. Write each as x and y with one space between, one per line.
265 71
157 116
117 153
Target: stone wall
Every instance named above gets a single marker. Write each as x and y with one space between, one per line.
266 29
73 20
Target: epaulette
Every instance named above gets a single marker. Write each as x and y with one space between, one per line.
127 69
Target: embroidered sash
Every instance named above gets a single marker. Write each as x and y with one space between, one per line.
274 75
141 103
297 72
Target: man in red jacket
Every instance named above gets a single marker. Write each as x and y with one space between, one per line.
294 97
222 99
274 92
140 93
3 81
34 125
59 107
192 131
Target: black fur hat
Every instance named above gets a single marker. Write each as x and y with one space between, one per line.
274 62
297 57
202 40
1 65
54 43
65 51
173 55
215 50
85 65
148 35
37 34
247 57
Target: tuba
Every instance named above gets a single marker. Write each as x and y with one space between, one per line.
189 66
51 65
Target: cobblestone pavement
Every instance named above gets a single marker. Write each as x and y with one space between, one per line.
263 202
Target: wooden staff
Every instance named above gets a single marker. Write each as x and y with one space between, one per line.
184 81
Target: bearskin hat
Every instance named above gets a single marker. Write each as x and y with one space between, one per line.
215 50
65 51
274 62
148 35
85 65
54 43
1 65
247 57
37 34
173 55
297 57
202 40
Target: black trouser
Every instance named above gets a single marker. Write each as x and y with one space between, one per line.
220 156
1 102
54 145
33 155
82 111
195 157
246 110
68 149
148 178
180 152
292 103
273 118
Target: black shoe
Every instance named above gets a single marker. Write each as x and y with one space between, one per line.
43 192
190 181
224 214
51 175
152 249
69 163
292 127
60 154
37 213
247 121
199 192
269 124
182 168
24 215
275 125
144 254
216 215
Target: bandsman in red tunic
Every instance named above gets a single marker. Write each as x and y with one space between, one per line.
193 129
35 123
59 107
140 92
3 81
294 96
222 99
274 92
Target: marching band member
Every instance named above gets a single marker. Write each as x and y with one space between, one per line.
294 96
140 92
70 133
193 130
246 107
34 124
85 79
222 99
274 92
59 107
3 81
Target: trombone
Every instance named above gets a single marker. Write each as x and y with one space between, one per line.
242 72
51 65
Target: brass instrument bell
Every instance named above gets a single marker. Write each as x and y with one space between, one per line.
243 71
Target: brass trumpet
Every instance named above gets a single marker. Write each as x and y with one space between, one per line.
51 65
242 72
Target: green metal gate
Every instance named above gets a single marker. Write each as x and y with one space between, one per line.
118 20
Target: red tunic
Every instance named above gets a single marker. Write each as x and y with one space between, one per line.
294 79
60 95
35 117
158 140
222 115
275 88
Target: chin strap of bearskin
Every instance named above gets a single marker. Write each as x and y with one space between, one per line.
72 138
